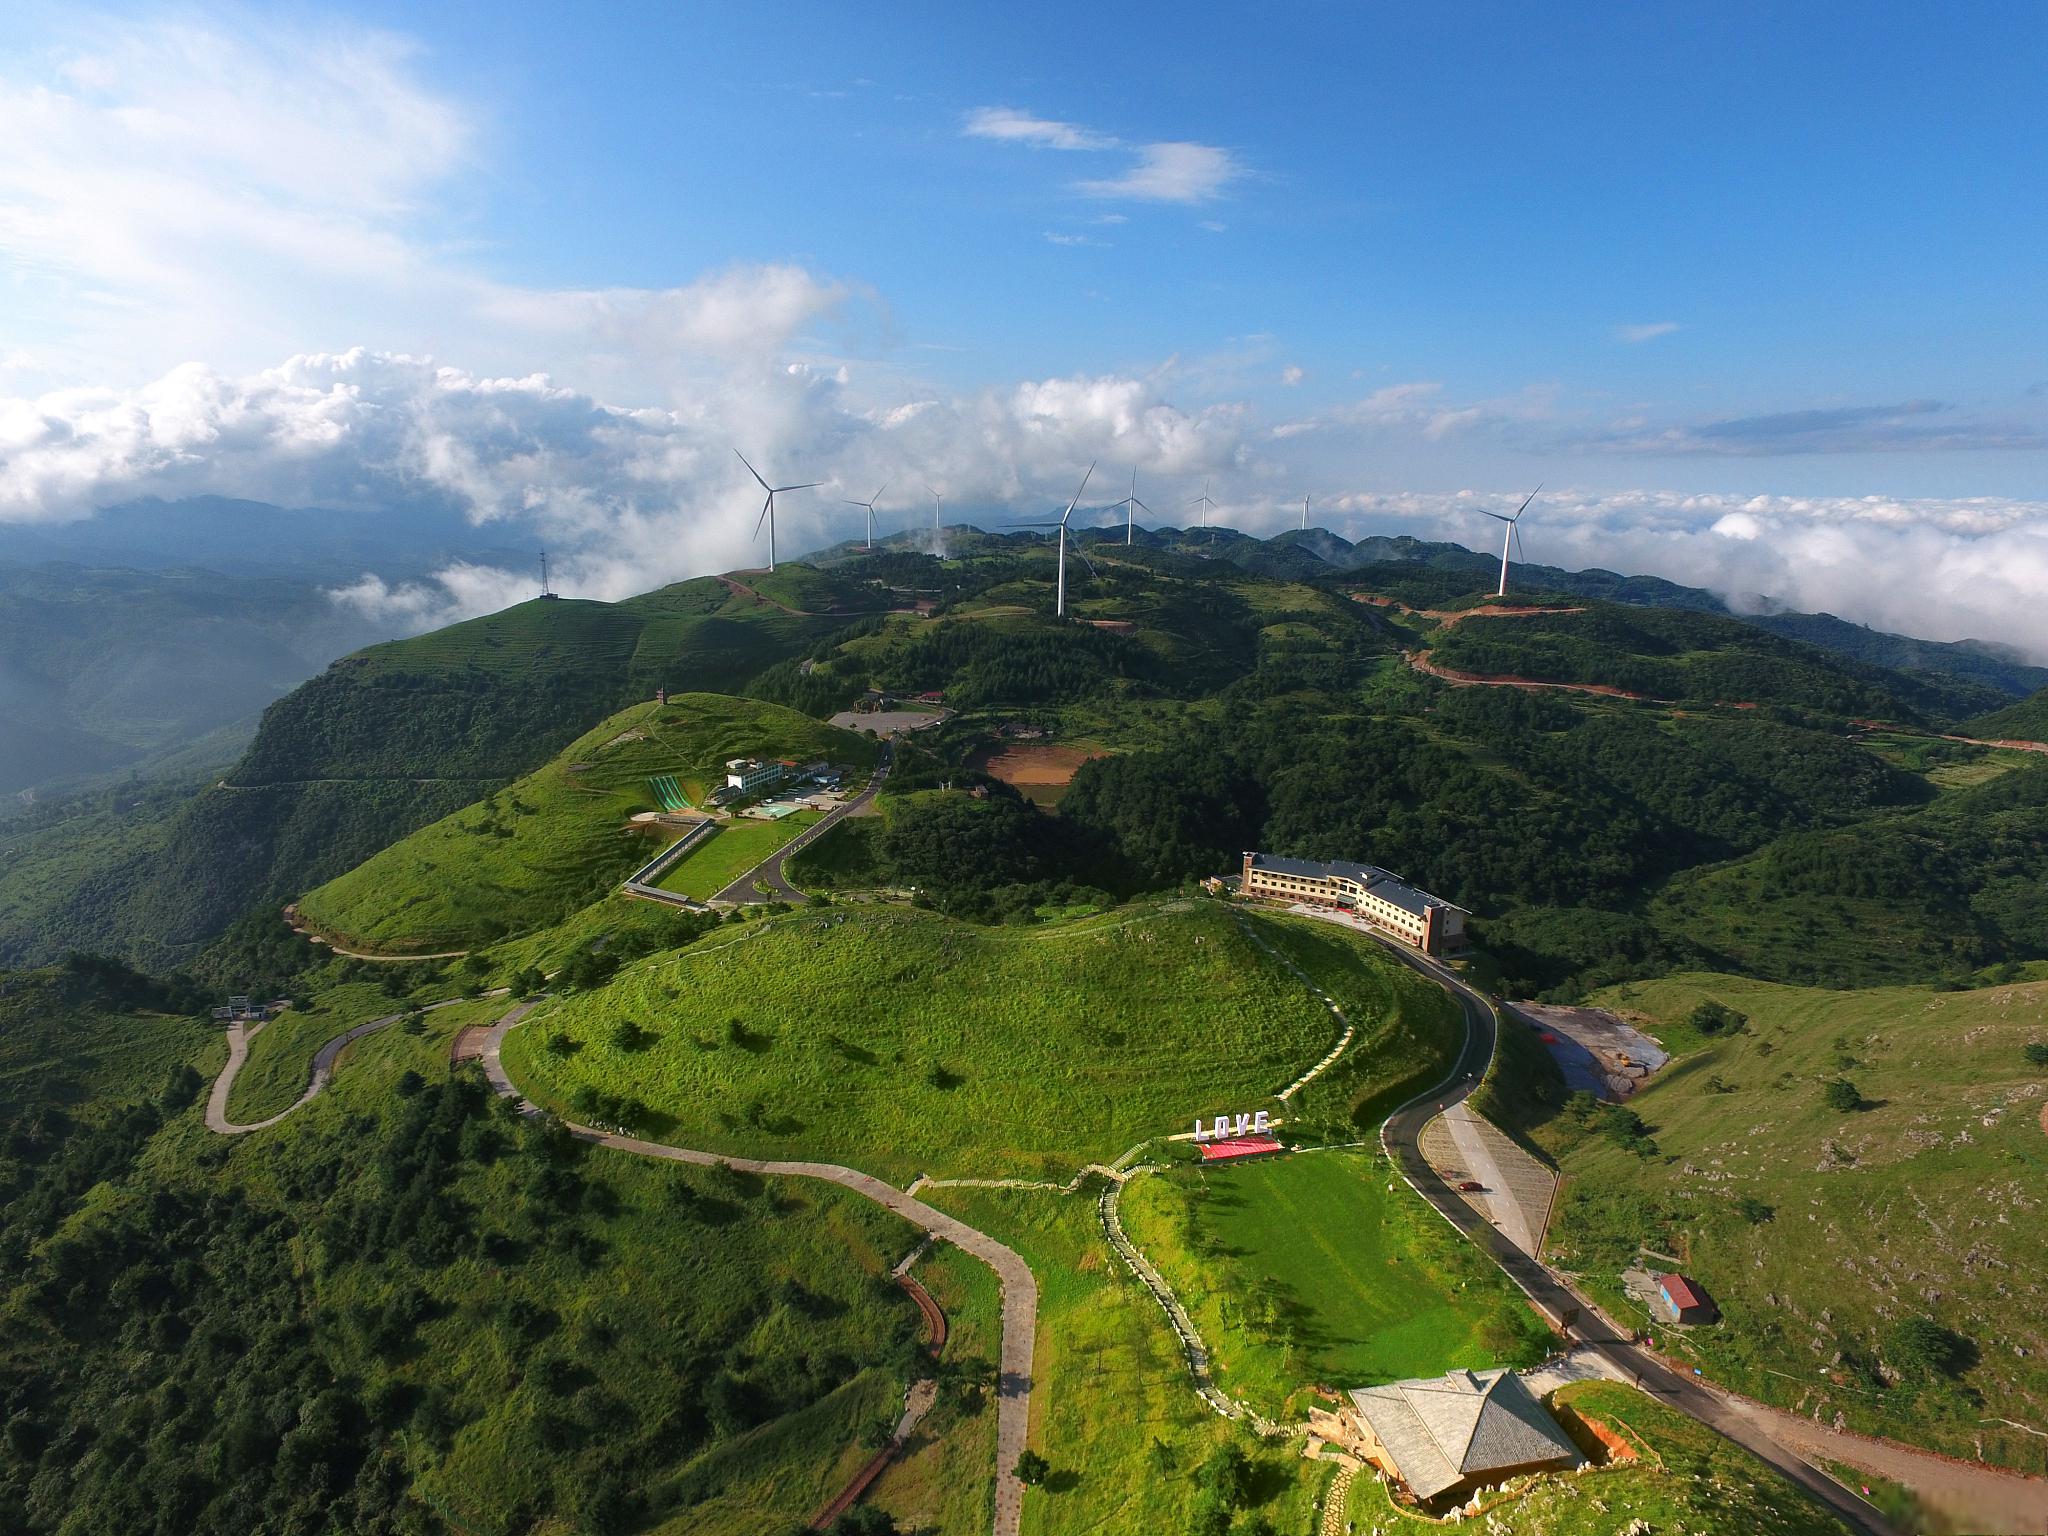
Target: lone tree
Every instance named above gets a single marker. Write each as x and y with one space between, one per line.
1921 1348
1842 1097
2037 1053
1032 1469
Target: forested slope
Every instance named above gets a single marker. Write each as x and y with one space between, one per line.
384 742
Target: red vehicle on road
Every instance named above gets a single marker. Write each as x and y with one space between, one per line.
1471 1186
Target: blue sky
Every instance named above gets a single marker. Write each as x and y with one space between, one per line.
1732 279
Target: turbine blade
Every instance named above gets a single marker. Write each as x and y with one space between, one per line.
1498 517
868 504
751 470
770 502
1077 494
1518 542
811 486
878 495
1526 500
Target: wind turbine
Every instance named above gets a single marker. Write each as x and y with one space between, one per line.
1512 534
1204 502
1060 602
1131 504
1304 511
870 505
938 501
768 506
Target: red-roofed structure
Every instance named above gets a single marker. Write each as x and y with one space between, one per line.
1242 1146
1686 1300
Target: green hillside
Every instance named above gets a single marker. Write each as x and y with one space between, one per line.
1684 657
528 855
905 1042
404 1310
2024 721
1938 892
384 742
1823 1232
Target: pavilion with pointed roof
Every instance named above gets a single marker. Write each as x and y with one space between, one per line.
1445 1436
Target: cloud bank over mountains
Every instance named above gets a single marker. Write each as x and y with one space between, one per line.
630 496
181 207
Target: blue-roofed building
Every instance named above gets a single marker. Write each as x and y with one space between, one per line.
1380 896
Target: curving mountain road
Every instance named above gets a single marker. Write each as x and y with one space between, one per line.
323 1067
1401 1137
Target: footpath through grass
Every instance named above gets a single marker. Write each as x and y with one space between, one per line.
1113 1410
905 1042
1323 1267
1821 1231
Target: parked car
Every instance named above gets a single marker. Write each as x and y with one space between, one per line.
1471 1186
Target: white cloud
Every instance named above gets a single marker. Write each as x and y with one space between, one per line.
1010 126
1162 171
1977 563
1635 335
1292 375
1177 172
1058 237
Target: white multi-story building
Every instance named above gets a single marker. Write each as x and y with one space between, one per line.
1382 898
748 774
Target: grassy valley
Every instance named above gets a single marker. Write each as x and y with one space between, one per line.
1824 1231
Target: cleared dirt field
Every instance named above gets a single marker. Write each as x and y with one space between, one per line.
1038 765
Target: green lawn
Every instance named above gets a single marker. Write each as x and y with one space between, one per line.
902 1041
1818 1231
536 851
1694 1481
735 848
1113 1409
1324 1267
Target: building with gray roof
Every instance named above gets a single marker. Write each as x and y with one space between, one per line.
1446 1436
1380 896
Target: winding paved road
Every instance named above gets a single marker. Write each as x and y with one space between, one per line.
1020 1290
1401 1136
323 1067
768 872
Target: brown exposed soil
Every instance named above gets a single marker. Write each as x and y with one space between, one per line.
1421 662
1039 766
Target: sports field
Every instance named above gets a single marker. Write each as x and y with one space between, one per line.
735 848
1324 1267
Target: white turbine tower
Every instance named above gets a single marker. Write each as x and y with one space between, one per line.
1131 506
870 505
938 502
1204 502
1060 601
768 506
1511 534
1304 511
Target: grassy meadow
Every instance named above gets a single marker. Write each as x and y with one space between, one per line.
905 1042
1114 1411
1324 1267
1821 1230
533 853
